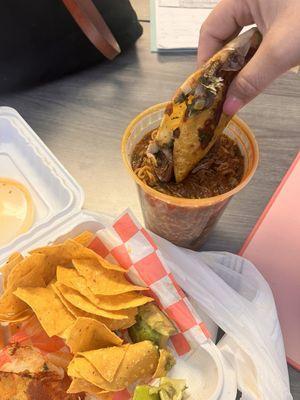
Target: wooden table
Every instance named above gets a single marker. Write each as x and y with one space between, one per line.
82 117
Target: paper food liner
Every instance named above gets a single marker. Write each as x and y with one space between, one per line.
128 244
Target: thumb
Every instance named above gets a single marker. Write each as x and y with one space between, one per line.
265 66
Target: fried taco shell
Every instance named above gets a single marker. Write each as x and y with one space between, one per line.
194 119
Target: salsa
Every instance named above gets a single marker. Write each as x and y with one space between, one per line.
220 171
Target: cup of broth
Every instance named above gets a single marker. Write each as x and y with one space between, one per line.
185 213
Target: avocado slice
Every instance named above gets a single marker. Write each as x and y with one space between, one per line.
171 389
157 320
168 389
145 392
141 331
152 324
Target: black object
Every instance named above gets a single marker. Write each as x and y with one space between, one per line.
40 41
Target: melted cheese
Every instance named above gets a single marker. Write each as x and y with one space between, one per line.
16 210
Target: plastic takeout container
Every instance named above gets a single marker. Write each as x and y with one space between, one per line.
58 203
184 222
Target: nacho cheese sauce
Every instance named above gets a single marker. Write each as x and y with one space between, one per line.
220 171
16 210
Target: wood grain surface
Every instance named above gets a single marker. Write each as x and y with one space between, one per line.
82 117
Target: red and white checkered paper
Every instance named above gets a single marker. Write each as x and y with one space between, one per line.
129 245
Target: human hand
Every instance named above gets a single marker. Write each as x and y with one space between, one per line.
277 20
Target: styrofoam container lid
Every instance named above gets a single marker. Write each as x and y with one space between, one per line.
26 159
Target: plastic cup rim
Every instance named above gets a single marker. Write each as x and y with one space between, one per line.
184 202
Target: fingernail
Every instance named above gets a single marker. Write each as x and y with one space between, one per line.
232 105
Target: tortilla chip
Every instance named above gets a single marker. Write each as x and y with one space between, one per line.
66 333
77 313
139 363
80 385
50 311
81 368
123 301
11 306
110 323
36 262
34 277
12 261
72 309
84 238
17 318
88 334
122 305
62 254
120 324
14 256
81 302
71 278
102 281
25 265
163 365
107 361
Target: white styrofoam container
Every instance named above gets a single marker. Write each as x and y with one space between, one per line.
25 158
58 201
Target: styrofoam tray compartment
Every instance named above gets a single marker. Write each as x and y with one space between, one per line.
58 201
214 382
25 158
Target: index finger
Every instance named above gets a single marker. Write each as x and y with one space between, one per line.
224 22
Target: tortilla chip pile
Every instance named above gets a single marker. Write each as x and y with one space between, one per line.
79 296
113 369
70 281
